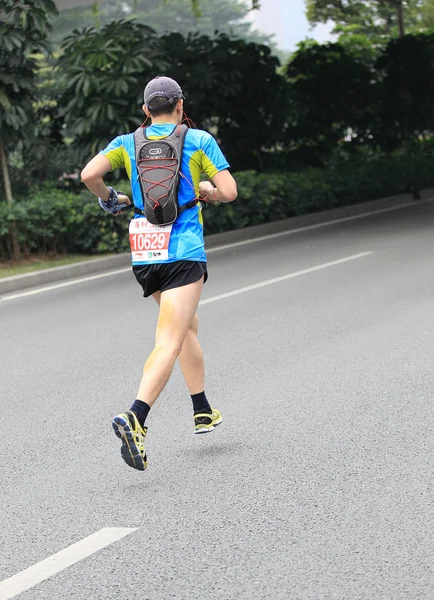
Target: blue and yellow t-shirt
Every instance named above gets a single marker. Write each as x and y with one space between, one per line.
201 154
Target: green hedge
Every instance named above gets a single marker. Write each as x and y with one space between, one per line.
54 221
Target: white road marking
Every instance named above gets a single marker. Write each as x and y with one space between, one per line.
56 286
219 248
9 588
268 282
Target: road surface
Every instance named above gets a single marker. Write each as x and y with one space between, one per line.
317 485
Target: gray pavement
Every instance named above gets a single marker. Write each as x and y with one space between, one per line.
319 482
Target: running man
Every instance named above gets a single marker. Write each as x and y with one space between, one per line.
175 282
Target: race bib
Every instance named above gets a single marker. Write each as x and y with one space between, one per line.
149 242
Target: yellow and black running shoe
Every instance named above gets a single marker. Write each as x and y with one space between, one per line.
132 434
205 422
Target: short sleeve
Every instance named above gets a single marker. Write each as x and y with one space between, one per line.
115 152
213 160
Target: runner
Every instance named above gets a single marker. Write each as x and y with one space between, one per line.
173 275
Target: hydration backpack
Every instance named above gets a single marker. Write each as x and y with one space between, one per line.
158 165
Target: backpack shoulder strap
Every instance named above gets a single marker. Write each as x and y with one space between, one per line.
177 137
140 136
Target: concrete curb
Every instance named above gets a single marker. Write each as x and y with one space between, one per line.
99 265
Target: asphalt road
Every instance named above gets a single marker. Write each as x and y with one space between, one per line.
319 482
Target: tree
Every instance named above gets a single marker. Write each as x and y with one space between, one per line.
427 15
375 18
406 72
24 25
358 44
332 93
56 155
102 77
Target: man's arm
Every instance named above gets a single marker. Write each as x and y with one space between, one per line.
225 189
92 176
215 166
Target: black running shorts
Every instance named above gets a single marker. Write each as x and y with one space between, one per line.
166 276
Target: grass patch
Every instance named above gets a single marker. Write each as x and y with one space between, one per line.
37 263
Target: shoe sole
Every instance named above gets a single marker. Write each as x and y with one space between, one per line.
209 429
129 451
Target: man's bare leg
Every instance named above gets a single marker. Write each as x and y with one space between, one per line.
191 360
177 310
192 366
191 356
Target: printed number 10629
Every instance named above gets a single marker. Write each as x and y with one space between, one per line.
148 241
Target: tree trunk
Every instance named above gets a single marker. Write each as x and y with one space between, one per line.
400 16
95 10
9 198
5 173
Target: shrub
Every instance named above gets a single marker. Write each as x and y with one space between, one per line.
53 221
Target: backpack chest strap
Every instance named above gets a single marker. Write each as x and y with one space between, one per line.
191 204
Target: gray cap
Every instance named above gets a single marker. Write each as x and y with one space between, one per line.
162 87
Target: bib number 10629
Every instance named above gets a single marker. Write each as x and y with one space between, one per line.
149 242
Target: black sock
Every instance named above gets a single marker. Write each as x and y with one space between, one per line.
200 403
141 410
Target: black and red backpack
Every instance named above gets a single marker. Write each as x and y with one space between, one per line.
159 169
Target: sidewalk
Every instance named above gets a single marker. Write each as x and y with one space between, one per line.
100 265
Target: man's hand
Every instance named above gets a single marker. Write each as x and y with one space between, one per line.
207 190
124 204
123 199
116 203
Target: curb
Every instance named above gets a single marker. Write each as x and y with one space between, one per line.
99 265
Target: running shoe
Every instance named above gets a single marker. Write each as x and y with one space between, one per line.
205 422
132 434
